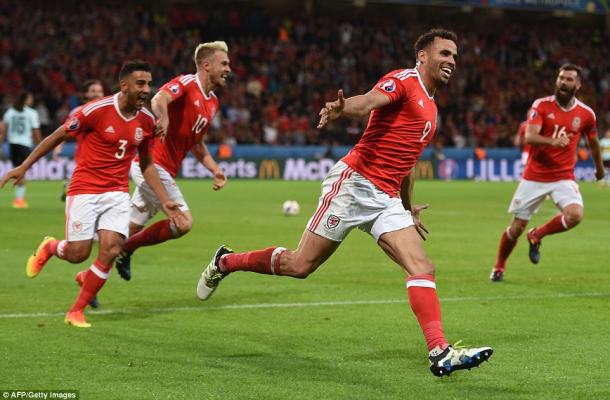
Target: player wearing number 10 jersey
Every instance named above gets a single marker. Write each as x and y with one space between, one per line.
554 127
110 131
185 107
371 189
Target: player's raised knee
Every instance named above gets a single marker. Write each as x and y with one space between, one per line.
573 215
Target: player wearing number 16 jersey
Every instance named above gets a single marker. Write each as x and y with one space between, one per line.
554 127
185 107
110 131
371 189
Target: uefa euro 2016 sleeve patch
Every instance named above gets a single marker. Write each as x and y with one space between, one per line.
388 86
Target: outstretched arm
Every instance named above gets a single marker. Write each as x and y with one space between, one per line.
201 153
17 174
353 107
596 153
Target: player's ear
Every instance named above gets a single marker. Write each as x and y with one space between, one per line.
422 56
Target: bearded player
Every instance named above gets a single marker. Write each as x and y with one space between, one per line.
555 124
371 189
185 107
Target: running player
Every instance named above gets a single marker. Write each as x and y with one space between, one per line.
110 131
555 124
22 127
185 107
371 189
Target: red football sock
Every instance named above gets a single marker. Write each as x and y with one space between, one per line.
507 244
265 261
158 232
421 290
95 277
57 248
555 225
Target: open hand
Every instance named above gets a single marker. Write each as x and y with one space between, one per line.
419 227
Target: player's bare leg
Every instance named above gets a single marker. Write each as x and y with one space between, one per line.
313 250
74 252
508 241
110 244
158 232
405 247
570 216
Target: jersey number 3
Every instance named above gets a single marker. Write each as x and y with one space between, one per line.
122 149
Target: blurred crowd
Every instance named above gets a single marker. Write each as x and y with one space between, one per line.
286 66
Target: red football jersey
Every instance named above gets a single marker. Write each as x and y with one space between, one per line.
190 114
107 143
397 133
550 164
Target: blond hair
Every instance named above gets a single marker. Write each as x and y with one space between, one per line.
205 50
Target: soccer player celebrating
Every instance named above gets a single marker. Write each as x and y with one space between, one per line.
371 189
185 107
554 127
110 131
23 127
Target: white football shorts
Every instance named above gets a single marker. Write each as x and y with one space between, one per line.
529 196
88 213
349 201
144 202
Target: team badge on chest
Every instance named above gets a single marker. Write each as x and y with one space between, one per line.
138 136
576 124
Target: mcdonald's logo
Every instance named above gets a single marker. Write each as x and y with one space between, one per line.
269 169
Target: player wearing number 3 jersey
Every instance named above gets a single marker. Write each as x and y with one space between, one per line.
185 107
110 131
554 127
371 189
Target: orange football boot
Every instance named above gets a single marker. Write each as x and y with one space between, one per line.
77 319
37 260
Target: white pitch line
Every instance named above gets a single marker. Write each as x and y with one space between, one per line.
161 310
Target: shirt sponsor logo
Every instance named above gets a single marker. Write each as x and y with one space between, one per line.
332 222
73 124
576 124
388 86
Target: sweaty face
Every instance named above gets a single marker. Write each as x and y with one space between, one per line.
439 59
137 86
95 91
218 68
566 85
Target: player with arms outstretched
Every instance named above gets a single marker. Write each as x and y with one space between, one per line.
555 124
185 107
371 189
110 131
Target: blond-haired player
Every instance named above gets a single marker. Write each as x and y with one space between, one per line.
185 106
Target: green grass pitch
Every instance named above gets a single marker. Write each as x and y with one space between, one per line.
346 332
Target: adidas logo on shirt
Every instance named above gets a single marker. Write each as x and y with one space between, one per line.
551 116
110 129
421 103
197 103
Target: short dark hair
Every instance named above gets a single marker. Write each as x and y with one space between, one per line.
130 66
425 39
20 102
88 83
572 67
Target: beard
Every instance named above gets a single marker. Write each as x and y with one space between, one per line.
564 97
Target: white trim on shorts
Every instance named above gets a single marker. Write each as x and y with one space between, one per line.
88 213
144 202
530 194
349 200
